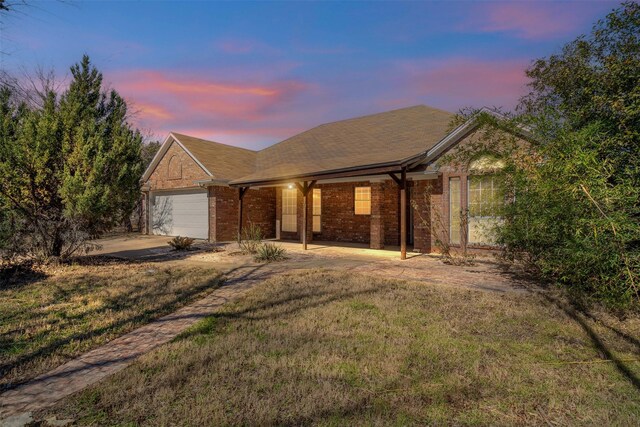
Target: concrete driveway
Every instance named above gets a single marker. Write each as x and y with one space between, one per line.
133 246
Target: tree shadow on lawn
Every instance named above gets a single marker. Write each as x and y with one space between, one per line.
117 303
579 313
319 298
17 275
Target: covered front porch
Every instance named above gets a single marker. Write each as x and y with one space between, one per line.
378 212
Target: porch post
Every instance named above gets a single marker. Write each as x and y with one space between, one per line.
304 219
403 214
241 192
402 183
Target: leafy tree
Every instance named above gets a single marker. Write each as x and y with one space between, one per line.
573 211
595 79
71 167
149 151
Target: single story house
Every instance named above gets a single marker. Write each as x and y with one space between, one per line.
358 180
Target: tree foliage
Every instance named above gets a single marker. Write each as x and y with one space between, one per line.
573 211
70 166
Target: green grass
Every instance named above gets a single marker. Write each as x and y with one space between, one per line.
46 321
326 348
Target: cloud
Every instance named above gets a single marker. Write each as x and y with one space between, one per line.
531 20
153 111
453 83
212 106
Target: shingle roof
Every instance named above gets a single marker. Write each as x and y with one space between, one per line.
225 162
374 139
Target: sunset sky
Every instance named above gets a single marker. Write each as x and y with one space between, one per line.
250 74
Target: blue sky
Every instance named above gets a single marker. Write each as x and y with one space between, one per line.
250 74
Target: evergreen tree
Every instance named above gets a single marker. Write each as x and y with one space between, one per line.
71 167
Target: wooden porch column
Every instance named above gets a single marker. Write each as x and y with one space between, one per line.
305 188
402 183
241 192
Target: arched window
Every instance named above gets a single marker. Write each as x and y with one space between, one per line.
174 169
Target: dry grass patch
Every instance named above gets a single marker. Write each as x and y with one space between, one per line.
333 349
45 321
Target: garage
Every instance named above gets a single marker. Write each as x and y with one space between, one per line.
180 213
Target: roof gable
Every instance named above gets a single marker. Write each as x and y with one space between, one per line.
219 161
161 153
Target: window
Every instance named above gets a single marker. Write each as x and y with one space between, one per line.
317 209
454 210
289 210
363 201
486 199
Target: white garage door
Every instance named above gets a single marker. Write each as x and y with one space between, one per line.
181 213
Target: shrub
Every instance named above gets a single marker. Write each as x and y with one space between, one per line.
269 252
180 243
251 239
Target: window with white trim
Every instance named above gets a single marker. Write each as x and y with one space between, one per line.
362 201
317 209
486 199
289 210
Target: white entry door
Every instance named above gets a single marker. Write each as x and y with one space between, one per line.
181 213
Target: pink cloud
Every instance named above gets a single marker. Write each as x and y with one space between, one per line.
530 20
457 82
153 111
210 106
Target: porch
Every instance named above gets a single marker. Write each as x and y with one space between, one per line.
376 212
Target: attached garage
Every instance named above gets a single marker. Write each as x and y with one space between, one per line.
180 213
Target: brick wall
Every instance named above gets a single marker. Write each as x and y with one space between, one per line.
339 223
259 207
428 214
176 162
391 213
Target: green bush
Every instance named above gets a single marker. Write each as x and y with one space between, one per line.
573 192
180 243
251 239
269 252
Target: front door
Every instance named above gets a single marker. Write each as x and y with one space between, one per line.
289 210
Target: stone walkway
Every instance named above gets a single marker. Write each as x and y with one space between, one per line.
44 390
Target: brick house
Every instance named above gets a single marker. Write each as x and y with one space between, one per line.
360 180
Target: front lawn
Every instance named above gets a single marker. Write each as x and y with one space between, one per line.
45 321
334 349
